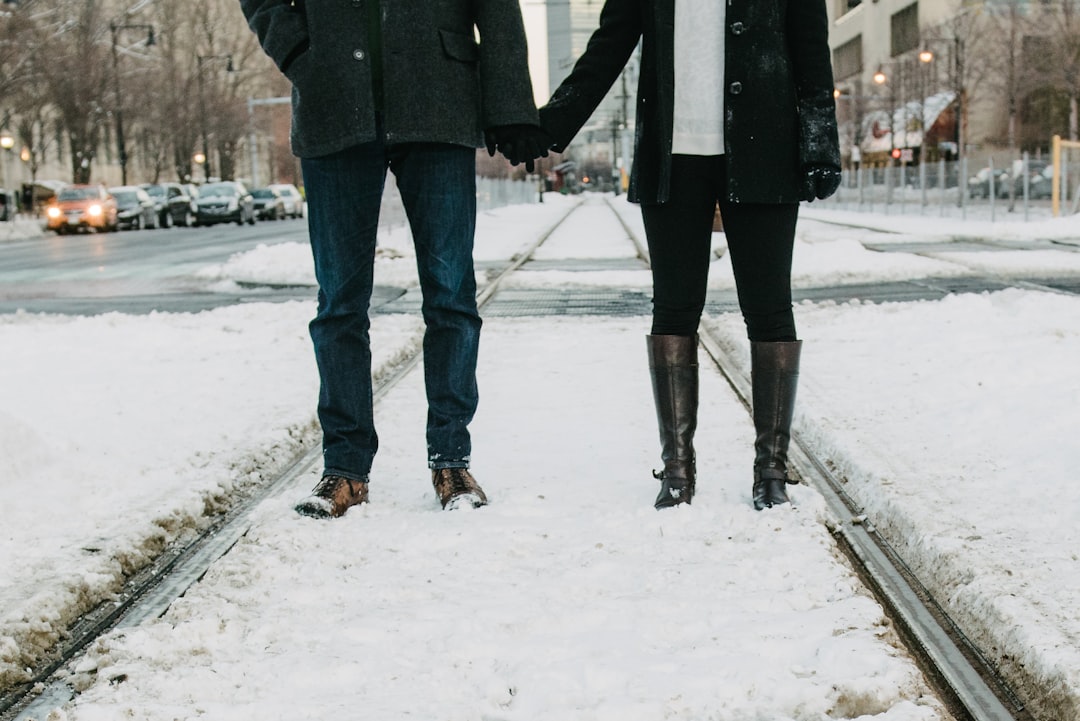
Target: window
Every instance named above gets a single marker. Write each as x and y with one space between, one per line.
904 26
848 59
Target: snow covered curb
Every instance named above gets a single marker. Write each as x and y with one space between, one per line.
21 229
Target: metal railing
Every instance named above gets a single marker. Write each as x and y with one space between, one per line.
986 190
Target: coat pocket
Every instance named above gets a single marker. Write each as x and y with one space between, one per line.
459 46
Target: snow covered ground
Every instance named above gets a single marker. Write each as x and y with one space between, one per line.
569 597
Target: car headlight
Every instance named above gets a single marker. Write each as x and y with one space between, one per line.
53 212
94 210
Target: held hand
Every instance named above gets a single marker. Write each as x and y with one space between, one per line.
819 181
521 143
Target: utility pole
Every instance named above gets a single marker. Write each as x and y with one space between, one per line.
121 148
202 106
616 175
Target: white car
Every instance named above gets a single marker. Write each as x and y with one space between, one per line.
294 201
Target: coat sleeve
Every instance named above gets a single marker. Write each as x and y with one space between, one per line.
280 26
808 41
506 93
594 73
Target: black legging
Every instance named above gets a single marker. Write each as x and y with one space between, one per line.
760 238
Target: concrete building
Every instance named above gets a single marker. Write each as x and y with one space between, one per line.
558 32
937 79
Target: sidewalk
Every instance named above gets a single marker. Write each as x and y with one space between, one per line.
977 224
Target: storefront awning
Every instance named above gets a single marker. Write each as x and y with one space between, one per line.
910 121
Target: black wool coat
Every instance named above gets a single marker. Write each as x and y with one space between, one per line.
778 84
440 84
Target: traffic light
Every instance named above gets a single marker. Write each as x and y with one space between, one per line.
896 153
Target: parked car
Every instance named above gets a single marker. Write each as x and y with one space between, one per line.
174 202
1041 185
979 184
293 199
81 207
269 205
135 209
227 201
1034 171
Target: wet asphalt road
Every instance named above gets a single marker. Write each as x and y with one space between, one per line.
135 271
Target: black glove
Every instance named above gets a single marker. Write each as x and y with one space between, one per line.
819 181
519 143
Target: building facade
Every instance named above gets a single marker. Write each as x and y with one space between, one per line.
934 79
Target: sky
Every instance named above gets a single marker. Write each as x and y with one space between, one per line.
568 597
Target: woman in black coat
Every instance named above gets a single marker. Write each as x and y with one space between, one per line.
734 106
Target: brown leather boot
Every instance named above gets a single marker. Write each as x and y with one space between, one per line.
332 496
774 377
456 487
673 367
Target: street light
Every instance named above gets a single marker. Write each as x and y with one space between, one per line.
121 149
880 78
202 106
7 142
850 109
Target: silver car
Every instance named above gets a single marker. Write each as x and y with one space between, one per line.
294 200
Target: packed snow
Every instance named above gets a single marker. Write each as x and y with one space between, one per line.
568 597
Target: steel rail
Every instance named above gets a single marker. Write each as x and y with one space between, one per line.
968 684
150 592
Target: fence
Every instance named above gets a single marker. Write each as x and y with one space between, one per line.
491 193
1017 190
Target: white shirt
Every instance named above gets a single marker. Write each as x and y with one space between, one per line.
700 29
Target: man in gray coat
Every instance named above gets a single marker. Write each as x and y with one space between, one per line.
404 86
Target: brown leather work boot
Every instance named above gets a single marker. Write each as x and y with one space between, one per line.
455 487
332 496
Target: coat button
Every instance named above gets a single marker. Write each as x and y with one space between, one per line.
735 88
358 54
737 28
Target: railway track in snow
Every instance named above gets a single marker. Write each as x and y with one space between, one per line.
949 251
971 689
149 592
966 682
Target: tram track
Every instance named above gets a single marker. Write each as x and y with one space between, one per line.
947 251
151 590
968 684
965 680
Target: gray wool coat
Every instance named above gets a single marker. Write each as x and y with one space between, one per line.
440 84
778 104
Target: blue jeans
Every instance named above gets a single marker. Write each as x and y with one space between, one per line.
344 193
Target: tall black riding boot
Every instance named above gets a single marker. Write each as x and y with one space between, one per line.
775 376
674 370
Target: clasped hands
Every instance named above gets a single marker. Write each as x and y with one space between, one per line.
519 143
525 143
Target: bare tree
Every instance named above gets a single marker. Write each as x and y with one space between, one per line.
1060 56
964 39
14 61
68 47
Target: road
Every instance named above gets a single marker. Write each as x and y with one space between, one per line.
135 271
